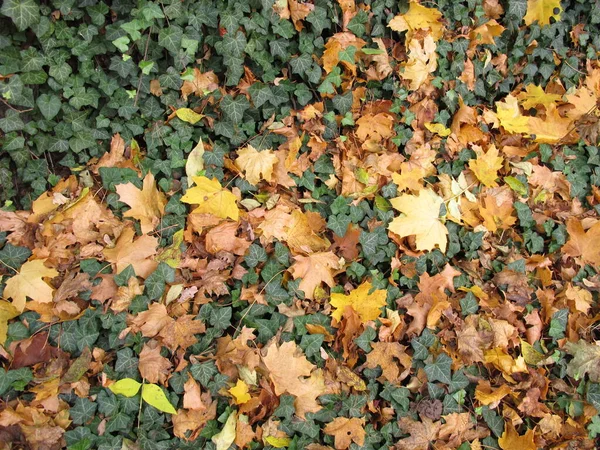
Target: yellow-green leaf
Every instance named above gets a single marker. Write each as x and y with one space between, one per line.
195 162
154 396
278 442
438 128
127 387
188 115
7 312
224 438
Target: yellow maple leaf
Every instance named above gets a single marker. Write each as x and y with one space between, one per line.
256 165
418 17
366 305
7 311
211 198
438 128
28 282
487 165
542 11
314 269
535 95
240 392
421 219
147 204
138 253
510 116
510 439
552 128
422 61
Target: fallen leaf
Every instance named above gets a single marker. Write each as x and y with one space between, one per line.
224 438
511 440
154 396
136 252
297 376
152 365
418 17
257 166
421 219
583 244
314 269
7 312
422 433
211 198
188 115
28 282
586 360
146 204
195 162
367 305
395 363
542 11
240 392
346 431
487 165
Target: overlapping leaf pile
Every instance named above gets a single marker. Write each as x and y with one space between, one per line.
316 225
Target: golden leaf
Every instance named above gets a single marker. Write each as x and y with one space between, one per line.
542 11
146 204
257 166
366 305
28 282
421 219
211 198
418 17
487 165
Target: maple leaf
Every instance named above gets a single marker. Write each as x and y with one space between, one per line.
542 11
211 198
292 373
240 392
201 84
535 95
346 431
314 269
510 117
136 252
188 424
223 238
422 433
368 306
550 129
581 243
152 365
192 397
180 333
28 282
487 165
147 204
256 165
391 357
422 61
485 34
7 311
335 44
151 321
510 439
375 126
418 17
421 219
412 172
298 12
586 360
115 157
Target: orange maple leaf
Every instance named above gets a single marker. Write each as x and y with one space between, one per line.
315 269
581 243
136 252
147 204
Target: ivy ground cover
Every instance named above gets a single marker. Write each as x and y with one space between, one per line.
299 224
